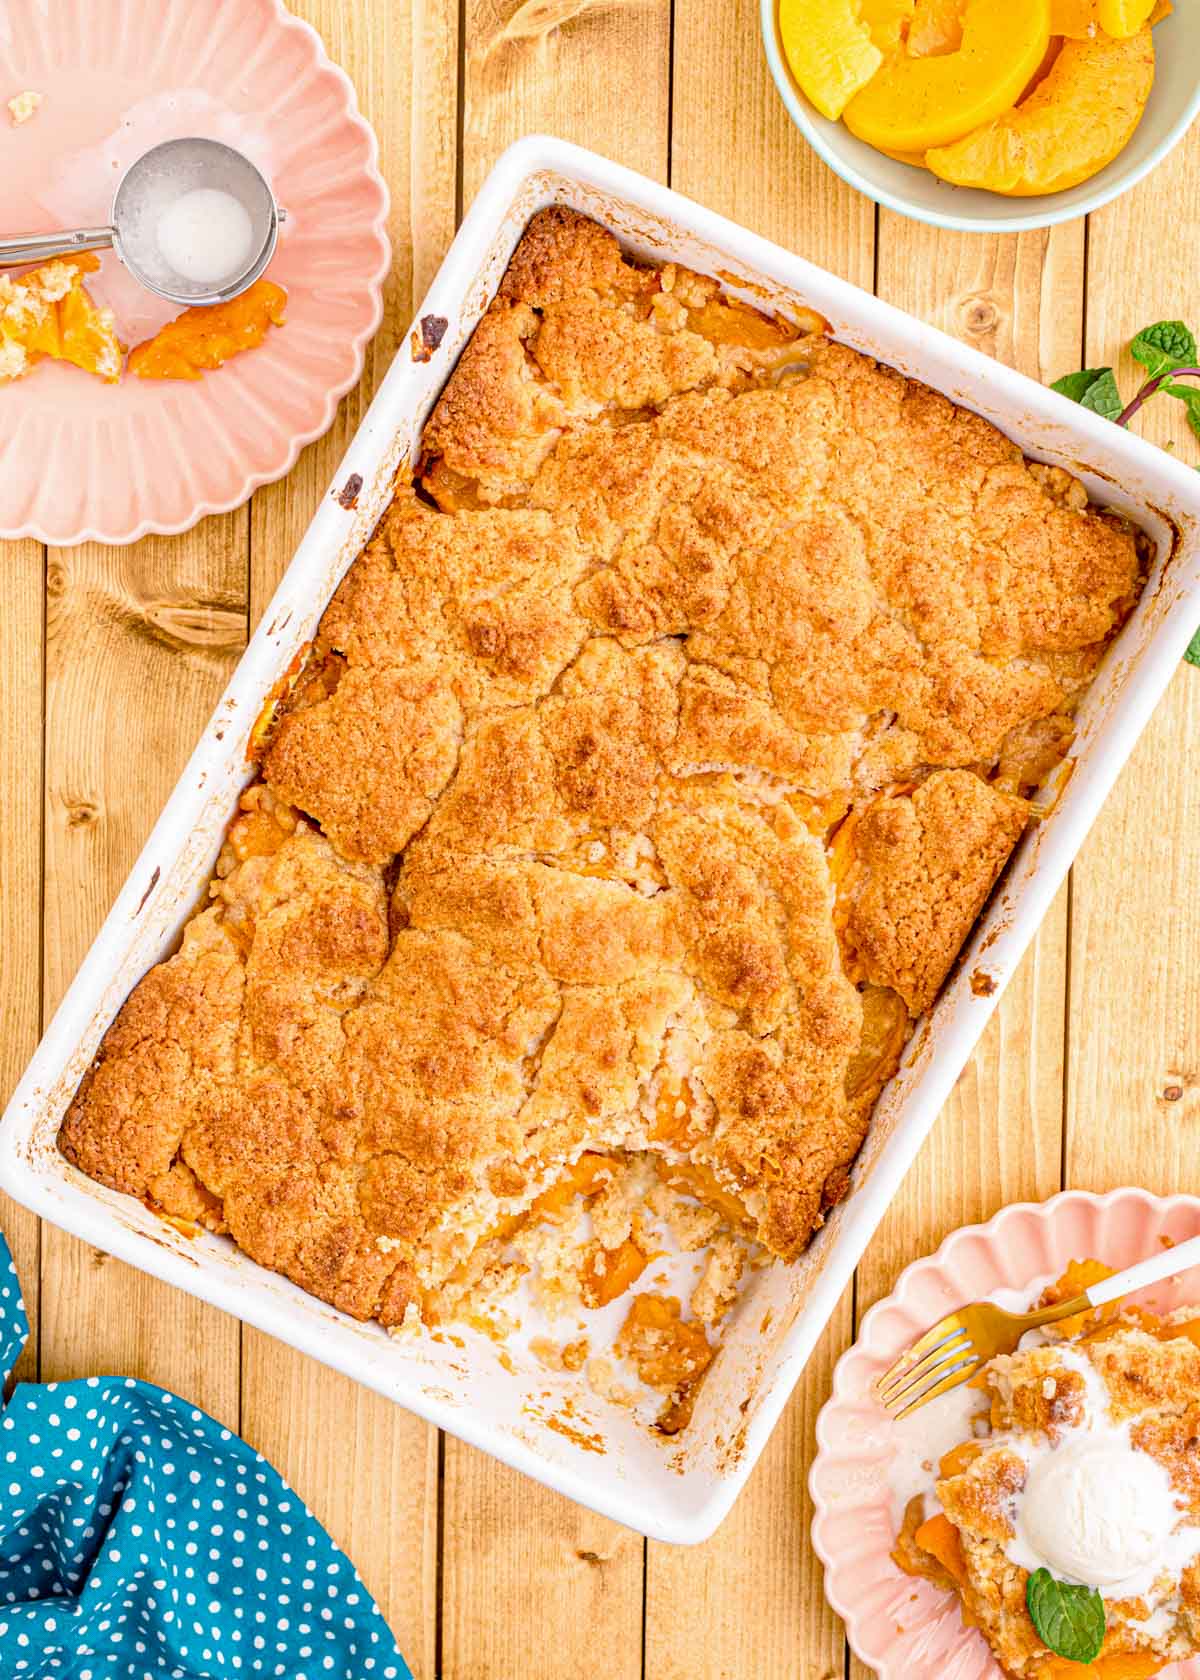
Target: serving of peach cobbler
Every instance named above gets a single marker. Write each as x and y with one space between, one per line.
1068 1522
647 772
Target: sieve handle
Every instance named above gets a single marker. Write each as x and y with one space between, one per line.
39 247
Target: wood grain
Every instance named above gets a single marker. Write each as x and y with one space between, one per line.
754 1592
532 1584
1133 1114
21 677
140 642
368 1470
593 71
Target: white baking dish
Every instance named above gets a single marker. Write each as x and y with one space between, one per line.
593 1452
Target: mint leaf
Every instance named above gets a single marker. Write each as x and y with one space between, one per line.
1103 397
1189 396
1077 385
1165 345
1192 654
1069 1620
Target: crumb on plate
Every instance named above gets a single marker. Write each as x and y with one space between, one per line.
23 106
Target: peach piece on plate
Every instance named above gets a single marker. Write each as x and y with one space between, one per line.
49 312
205 338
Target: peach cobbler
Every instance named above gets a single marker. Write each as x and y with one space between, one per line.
646 774
1068 1523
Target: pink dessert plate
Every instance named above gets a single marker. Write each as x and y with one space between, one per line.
901 1627
83 460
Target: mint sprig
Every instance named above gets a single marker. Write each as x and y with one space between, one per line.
1094 388
1168 352
1070 1621
1163 347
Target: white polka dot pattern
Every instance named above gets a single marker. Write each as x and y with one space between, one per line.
139 1540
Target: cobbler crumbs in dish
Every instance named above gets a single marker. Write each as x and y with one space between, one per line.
648 770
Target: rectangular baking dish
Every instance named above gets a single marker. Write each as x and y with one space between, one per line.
547 1424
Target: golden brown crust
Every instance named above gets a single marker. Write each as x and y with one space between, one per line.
544 824
924 865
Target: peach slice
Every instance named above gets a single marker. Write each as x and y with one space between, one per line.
1082 20
1118 1665
887 20
939 1538
206 337
1123 18
936 27
830 50
914 103
1074 122
1079 20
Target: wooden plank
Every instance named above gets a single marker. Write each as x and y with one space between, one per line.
377 1493
532 1584
366 1469
524 1571
140 642
998 1139
754 1591
21 676
736 150
1134 1060
592 71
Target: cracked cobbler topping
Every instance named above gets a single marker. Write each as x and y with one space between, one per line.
647 773
1084 1462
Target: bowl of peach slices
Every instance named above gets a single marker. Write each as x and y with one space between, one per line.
992 115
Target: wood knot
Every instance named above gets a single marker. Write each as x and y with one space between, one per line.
1172 1093
979 316
81 812
592 1558
56 580
213 627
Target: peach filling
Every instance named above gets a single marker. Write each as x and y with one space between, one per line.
584 1177
668 1354
940 1539
731 322
885 1027
609 1272
690 1178
672 1111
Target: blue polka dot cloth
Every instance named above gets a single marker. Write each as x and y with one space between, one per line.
139 1540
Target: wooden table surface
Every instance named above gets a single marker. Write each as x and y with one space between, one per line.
112 658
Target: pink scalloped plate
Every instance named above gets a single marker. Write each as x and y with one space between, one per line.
80 459
906 1629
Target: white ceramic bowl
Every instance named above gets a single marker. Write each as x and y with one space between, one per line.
1173 104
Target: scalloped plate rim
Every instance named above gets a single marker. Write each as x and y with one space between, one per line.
859 1350
147 526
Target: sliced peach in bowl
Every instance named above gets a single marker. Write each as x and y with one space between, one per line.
829 47
887 20
914 103
936 28
1124 17
1074 122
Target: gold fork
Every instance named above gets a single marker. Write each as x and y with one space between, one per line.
960 1344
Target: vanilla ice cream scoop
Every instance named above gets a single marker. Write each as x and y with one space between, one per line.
1097 1511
